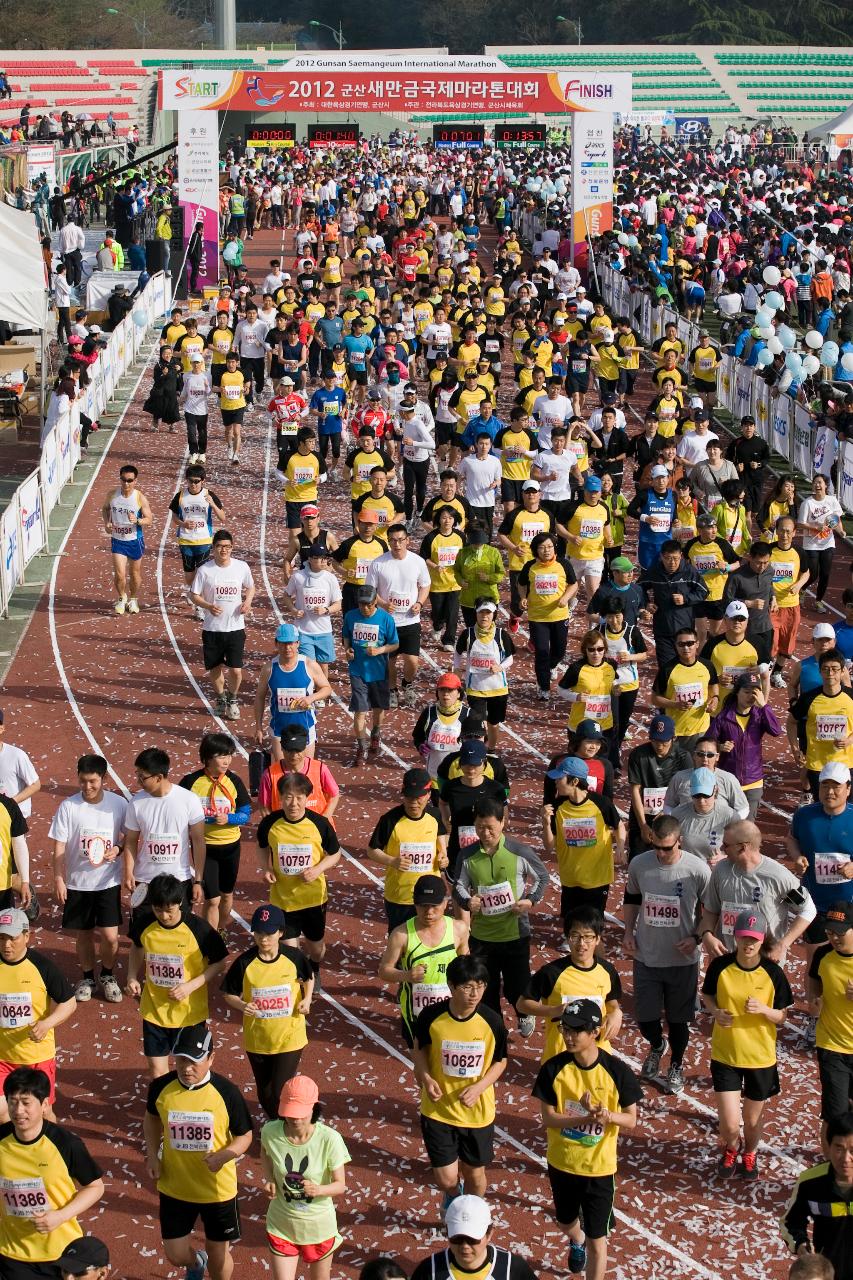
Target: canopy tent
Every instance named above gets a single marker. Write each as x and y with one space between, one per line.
23 292
837 133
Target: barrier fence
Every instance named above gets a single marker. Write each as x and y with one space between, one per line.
789 428
25 522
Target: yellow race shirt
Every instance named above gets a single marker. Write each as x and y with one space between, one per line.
354 555
442 549
36 1177
174 954
231 391
751 1040
521 527
787 568
12 823
730 661
827 722
190 344
563 980
514 446
301 477
710 559
220 342
195 1122
27 990
594 685
276 987
545 584
690 687
586 1147
459 1053
414 842
219 796
293 847
835 1025
588 522
584 842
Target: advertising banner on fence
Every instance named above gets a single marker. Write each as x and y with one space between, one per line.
41 158
10 548
446 86
761 408
802 457
198 184
743 392
63 444
32 517
726 382
825 449
845 476
780 424
49 468
592 176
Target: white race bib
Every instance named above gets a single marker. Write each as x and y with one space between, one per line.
190 1130
653 799
661 911
285 698
547 584
729 913
660 522
827 868
273 1002
163 848
580 832
24 1197
496 899
164 971
688 695
830 728
446 557
463 1059
597 705
417 855
467 837
293 859
425 994
95 844
16 1010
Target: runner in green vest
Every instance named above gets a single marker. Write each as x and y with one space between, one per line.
419 951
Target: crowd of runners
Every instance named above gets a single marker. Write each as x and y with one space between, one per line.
456 416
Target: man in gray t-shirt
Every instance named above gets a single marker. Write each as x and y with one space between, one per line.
703 818
663 898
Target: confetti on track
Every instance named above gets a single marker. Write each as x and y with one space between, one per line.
132 691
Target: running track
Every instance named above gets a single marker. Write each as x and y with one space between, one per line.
84 679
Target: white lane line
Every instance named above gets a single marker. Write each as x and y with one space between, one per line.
51 595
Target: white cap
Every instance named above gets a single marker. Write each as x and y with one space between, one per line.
607 335
824 631
580 289
696 402
530 484
467 1216
835 771
659 471
737 609
196 358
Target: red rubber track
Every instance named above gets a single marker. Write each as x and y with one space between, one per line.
131 691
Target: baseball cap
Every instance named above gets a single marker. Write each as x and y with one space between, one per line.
472 752
467 1216
662 729
317 550
286 634
293 738
298 1098
448 681
839 917
368 516
588 729
429 891
737 609
308 510
582 1014
286 382
94 328
823 631
530 484
268 919
82 1255
571 767
657 472
416 782
702 782
366 594
194 1043
696 402
835 771
482 607
622 565
750 924
14 922
198 358
706 521
592 484
749 680
374 393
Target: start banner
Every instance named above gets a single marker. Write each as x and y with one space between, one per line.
358 88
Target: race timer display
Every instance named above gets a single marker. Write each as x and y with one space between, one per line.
270 137
458 135
520 135
333 135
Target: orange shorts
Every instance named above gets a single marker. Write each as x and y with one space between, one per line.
48 1067
307 1252
786 624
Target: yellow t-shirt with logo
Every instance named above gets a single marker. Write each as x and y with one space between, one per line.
751 1040
563 980
173 955
586 1147
588 521
459 1052
584 842
545 583
196 1122
276 987
293 847
37 1177
787 568
301 477
27 990
521 527
231 391
835 1023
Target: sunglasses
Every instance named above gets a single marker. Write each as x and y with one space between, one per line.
666 848
596 648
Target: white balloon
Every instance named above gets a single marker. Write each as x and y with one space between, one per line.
764 317
774 346
814 339
622 238
763 359
829 354
787 337
771 276
766 331
847 362
774 300
811 364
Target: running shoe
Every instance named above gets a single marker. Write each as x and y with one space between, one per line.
235 459
197 1272
132 606
820 607
543 694
111 989
651 1064
749 1166
436 635
777 680
202 457
449 648
577 1258
512 626
375 743
85 989
120 605
221 707
33 908
233 712
727 1162
526 1026
393 700
357 758
675 1079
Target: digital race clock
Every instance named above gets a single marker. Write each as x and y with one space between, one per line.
458 135
333 135
520 135
270 137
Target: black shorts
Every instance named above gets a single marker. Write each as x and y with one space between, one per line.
586 1196
713 610
369 695
7 898
492 709
92 908
443 432
292 510
409 638
511 491
397 913
223 649
762 643
308 923
12 1269
836 1083
193 558
577 383
358 377
757 1084
447 1143
230 417
575 897
816 931
157 1041
221 867
221 1220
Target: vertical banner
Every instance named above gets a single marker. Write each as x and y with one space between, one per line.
780 425
762 409
845 476
49 469
63 444
825 449
802 458
10 548
743 392
646 318
727 382
592 179
198 184
31 516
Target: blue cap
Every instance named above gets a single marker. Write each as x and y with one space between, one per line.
592 484
662 729
286 633
268 919
702 782
588 729
571 767
472 751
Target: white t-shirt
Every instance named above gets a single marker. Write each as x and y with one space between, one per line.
310 591
561 464
163 823
437 336
250 339
197 388
16 772
812 511
551 414
478 475
693 448
86 830
398 582
223 585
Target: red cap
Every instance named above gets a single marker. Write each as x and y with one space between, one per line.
448 681
298 1098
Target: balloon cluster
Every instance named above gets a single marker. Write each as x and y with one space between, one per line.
783 339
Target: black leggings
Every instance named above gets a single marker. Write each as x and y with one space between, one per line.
415 476
549 644
445 614
679 1034
271 1072
508 963
196 432
335 441
819 565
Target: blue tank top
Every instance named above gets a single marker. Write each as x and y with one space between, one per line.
284 687
809 674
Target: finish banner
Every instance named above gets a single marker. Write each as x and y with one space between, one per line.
437 89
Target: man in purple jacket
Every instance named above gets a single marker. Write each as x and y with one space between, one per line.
739 729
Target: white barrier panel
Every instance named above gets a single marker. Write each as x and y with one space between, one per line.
802 454
762 409
10 548
726 385
825 450
63 441
646 318
845 476
49 472
780 424
108 366
743 392
76 451
31 516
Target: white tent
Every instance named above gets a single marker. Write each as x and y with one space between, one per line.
837 133
23 292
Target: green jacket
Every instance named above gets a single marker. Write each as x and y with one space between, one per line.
513 864
478 571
